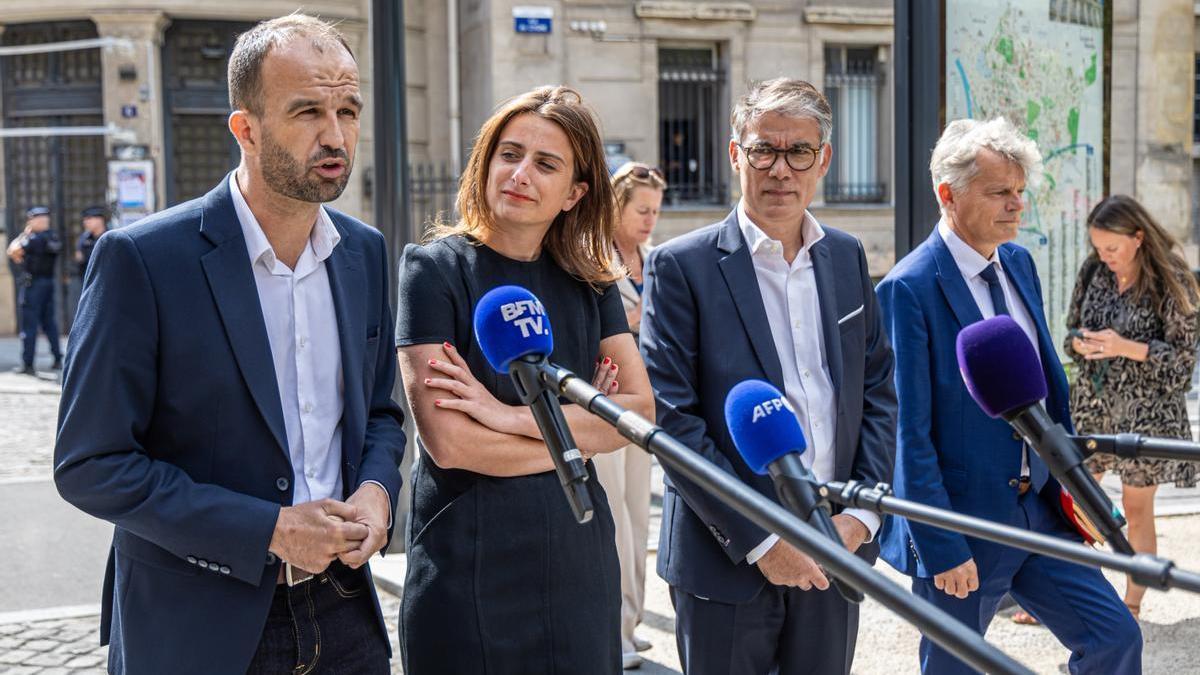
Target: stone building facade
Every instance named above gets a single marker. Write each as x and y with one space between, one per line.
661 74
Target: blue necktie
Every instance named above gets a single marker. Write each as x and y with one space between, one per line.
999 306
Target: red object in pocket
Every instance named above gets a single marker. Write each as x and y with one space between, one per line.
1076 516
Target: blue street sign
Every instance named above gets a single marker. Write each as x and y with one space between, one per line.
532 25
533 19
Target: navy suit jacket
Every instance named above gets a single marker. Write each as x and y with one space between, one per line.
171 427
950 454
705 329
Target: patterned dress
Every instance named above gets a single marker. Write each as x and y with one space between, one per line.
1120 395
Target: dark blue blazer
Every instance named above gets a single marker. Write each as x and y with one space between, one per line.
704 329
171 427
950 454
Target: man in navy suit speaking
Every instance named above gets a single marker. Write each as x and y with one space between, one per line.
769 294
227 395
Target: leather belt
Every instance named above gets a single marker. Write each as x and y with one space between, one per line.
292 576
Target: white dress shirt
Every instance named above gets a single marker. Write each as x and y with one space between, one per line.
297 307
970 264
789 294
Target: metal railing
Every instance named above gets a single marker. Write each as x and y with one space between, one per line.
853 84
433 190
691 126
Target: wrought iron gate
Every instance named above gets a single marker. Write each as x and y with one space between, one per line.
65 173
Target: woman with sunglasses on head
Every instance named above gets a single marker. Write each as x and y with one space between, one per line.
501 579
1133 338
625 474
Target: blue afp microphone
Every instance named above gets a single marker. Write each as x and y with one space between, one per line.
769 438
513 332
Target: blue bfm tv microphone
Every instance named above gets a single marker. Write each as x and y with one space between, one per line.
769 438
513 332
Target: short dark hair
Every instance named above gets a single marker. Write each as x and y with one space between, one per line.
245 63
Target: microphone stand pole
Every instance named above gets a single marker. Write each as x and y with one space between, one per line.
1145 569
949 633
1135 445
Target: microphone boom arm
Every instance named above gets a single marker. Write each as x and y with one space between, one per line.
947 632
1145 569
1051 442
551 423
1132 446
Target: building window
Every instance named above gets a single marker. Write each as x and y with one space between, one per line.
1196 107
854 82
691 127
1196 157
200 149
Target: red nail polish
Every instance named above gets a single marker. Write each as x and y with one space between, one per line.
613 367
447 345
432 362
437 401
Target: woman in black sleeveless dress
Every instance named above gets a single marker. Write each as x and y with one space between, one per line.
501 579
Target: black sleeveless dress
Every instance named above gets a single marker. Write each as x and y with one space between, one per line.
501 579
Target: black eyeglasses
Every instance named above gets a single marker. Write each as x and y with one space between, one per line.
763 157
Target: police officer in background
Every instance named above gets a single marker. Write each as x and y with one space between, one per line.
95 223
35 250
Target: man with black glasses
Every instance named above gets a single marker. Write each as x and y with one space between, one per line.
808 321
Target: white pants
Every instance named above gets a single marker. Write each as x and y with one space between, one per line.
625 476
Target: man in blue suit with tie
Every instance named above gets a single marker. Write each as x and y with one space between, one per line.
770 294
227 395
949 453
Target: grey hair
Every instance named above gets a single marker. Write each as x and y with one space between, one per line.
954 157
786 96
252 47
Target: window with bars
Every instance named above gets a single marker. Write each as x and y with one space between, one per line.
200 149
691 125
64 173
1196 99
854 82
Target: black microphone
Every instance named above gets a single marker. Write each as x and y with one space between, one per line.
769 438
513 332
1004 376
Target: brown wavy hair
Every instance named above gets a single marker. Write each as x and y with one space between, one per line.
579 240
1163 272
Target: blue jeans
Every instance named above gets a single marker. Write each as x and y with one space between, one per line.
37 309
324 625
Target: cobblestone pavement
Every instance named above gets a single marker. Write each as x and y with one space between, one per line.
27 439
52 646
28 415
72 645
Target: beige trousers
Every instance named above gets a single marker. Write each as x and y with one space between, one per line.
625 476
